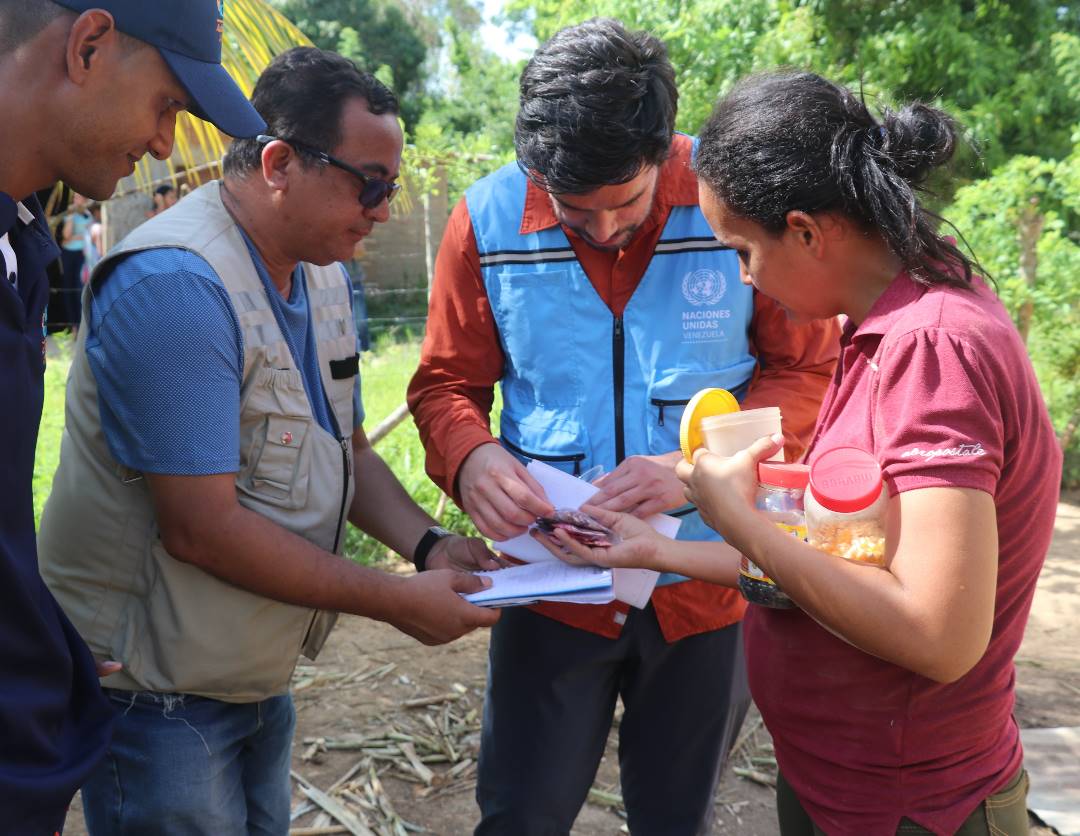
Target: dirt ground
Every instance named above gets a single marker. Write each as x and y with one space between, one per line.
354 699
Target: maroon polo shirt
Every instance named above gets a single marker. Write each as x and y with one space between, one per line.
937 384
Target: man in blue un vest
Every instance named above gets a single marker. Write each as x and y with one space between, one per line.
586 283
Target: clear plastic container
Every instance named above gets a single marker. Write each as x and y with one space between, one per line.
780 492
845 506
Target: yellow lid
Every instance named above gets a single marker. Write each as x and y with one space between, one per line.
705 403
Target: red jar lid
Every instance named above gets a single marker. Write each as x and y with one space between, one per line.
845 479
783 475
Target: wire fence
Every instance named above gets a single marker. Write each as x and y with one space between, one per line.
65 308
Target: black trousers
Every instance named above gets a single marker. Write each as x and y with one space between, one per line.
551 695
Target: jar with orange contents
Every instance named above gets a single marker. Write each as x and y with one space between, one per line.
845 506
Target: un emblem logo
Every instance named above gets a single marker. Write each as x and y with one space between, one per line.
704 287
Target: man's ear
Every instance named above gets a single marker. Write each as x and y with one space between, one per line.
277 159
808 231
91 32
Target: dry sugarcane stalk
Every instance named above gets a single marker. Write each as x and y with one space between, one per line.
363 763
609 799
425 774
318 831
420 702
756 776
338 810
301 809
378 673
747 733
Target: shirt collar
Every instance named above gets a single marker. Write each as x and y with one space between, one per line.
676 186
900 293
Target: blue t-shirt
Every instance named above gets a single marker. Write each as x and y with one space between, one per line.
166 349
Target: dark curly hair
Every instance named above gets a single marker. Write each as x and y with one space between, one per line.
786 140
597 103
301 95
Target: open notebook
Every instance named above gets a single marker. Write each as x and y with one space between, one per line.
554 580
545 581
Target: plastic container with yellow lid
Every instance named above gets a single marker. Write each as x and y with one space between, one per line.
705 404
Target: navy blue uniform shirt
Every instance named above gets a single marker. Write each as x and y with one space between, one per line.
54 719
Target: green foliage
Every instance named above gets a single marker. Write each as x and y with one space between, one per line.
375 34
1006 69
385 374
1042 196
468 122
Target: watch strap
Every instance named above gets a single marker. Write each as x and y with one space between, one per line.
432 536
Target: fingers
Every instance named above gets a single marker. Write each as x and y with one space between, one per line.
649 507
107 668
565 547
536 502
483 557
604 516
496 515
765 447
464 583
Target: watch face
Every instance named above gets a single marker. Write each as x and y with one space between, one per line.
439 531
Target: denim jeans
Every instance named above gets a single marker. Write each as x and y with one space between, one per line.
180 764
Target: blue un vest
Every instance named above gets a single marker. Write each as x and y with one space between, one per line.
582 387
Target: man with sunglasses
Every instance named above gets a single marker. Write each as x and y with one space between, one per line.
214 451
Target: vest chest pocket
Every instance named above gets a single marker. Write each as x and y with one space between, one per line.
534 312
273 472
559 441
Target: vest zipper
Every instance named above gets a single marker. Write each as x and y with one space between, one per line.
618 364
346 470
661 403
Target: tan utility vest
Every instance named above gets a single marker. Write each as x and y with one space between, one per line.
174 627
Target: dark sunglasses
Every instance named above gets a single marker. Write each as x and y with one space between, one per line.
373 190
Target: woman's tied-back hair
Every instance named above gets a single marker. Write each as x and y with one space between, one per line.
597 104
784 141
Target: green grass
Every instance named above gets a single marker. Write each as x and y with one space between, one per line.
47 455
385 375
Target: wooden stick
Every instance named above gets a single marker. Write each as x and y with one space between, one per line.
388 424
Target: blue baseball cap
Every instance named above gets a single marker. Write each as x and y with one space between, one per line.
188 34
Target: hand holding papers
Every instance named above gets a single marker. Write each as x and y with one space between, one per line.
633 586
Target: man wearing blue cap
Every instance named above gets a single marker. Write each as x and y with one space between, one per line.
82 98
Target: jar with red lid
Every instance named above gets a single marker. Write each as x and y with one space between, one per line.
780 497
845 506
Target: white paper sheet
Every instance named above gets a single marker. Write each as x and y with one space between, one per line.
632 586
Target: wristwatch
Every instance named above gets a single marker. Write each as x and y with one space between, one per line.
432 536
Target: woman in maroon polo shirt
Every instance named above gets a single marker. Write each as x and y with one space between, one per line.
889 692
